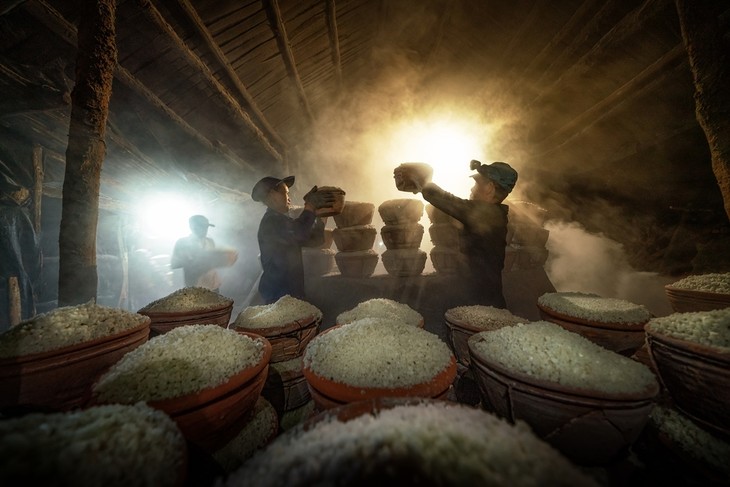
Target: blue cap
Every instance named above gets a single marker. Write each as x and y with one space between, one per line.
499 172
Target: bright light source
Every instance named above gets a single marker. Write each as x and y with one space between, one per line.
165 216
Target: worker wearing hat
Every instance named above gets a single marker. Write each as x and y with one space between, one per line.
196 255
281 237
483 237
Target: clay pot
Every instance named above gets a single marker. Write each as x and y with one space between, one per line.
419 171
354 239
337 206
354 214
357 264
287 341
404 262
62 379
403 210
212 417
286 388
686 300
623 338
164 321
318 262
447 261
444 235
438 217
402 236
589 427
529 235
458 334
697 378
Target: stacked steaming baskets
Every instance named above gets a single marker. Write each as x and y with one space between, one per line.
402 235
354 238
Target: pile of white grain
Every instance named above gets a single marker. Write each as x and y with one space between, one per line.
693 440
373 352
256 434
114 445
284 311
710 328
709 283
483 317
66 326
188 299
183 361
550 353
593 307
384 308
435 443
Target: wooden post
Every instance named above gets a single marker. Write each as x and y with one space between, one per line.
14 313
37 187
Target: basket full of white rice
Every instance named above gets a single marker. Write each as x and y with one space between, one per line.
699 292
50 362
111 445
188 306
691 353
382 308
207 378
616 324
463 321
289 324
587 401
374 357
396 442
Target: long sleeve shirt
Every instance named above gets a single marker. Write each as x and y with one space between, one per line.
482 241
281 239
191 253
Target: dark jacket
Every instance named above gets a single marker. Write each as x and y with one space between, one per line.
482 241
281 239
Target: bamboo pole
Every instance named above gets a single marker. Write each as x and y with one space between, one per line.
37 187
13 301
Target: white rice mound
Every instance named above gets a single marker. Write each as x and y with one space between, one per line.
372 352
382 308
253 436
484 317
185 360
711 328
593 307
693 440
66 326
113 445
285 310
709 283
188 299
549 352
422 444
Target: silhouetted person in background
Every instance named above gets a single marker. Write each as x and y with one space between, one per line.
196 254
484 235
281 237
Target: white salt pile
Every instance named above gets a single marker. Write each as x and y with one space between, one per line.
385 308
284 311
709 283
188 299
593 307
710 328
483 317
372 352
423 444
66 326
114 445
548 352
183 361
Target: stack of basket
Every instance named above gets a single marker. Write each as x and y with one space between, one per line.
402 235
444 231
526 237
354 238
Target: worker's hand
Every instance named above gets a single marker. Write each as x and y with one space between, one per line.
319 199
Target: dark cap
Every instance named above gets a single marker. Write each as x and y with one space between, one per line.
499 172
262 188
199 221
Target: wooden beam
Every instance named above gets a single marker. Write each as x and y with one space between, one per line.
334 40
273 12
194 18
37 187
14 308
54 21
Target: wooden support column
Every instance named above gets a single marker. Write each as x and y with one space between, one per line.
37 187
14 308
95 64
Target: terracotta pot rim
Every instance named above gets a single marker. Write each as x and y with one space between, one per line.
421 324
180 404
276 331
208 312
699 350
37 357
552 387
454 323
706 296
607 325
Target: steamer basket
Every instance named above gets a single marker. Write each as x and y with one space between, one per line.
354 214
357 264
403 236
286 388
337 206
162 322
354 239
686 300
289 340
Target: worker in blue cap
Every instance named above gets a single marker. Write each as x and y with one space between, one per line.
483 238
